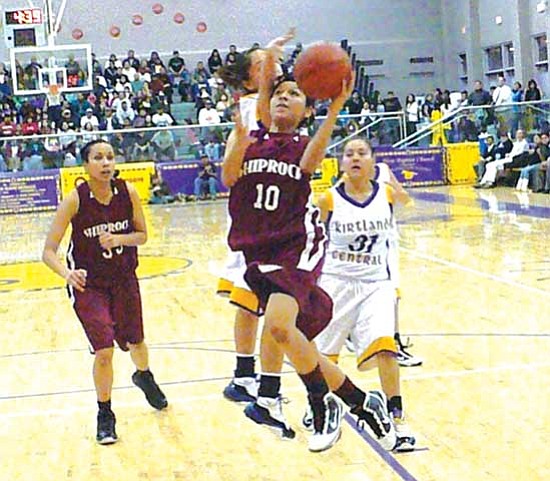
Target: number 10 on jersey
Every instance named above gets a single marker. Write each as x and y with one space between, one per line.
267 198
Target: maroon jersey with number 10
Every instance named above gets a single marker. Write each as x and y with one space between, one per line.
270 204
85 252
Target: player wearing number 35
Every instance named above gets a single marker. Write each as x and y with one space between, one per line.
107 226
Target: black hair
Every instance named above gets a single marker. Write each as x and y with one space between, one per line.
362 139
85 151
310 102
237 73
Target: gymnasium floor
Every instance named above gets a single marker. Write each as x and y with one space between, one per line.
476 287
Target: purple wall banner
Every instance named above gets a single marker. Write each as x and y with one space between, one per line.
180 176
415 166
29 191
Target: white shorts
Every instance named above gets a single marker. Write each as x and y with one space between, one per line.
232 284
363 310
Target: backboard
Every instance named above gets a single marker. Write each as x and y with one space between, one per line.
35 69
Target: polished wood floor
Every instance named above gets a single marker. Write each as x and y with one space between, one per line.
476 290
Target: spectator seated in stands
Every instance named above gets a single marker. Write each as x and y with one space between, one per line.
162 118
466 128
160 191
200 80
175 68
206 181
535 160
214 61
30 126
489 178
490 156
213 150
143 147
109 122
163 144
32 155
208 115
74 72
8 128
89 117
3 163
125 112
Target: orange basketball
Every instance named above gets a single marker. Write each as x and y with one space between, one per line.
320 70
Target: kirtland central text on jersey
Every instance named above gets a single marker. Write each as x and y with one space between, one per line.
361 226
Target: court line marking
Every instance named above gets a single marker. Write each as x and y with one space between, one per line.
470 270
414 377
386 456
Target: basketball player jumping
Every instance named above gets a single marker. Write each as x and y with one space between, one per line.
283 241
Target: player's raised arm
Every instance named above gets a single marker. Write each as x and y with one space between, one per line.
315 151
267 79
239 140
269 72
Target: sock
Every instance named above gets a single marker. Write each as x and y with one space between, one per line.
317 389
395 406
350 394
397 338
104 406
245 365
270 385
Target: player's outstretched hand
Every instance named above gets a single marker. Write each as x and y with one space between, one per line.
77 279
241 131
108 240
276 45
347 89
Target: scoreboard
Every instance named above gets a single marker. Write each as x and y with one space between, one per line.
24 27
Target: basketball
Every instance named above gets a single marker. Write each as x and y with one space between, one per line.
320 70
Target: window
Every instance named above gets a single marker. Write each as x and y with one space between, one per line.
541 49
463 65
371 63
421 60
494 58
509 55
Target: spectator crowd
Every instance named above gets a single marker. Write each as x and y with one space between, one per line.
138 93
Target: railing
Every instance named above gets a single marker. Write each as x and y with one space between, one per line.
468 123
181 142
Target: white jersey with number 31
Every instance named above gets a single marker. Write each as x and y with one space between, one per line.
360 234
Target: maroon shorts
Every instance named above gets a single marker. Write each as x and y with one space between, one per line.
315 304
110 313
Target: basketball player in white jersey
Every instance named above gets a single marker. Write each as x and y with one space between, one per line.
356 274
383 174
244 387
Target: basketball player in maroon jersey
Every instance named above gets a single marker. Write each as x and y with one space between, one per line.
107 225
244 76
283 240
